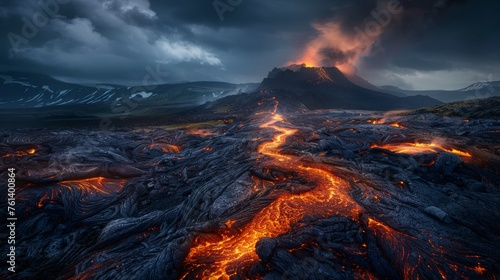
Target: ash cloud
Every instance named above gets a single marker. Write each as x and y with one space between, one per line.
334 56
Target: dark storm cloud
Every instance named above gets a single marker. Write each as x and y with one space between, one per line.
430 36
269 14
115 40
421 64
396 28
442 33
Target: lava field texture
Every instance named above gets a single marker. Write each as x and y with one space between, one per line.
278 194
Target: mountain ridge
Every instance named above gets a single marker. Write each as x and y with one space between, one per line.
27 90
477 90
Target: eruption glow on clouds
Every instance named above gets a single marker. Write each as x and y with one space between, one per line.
333 46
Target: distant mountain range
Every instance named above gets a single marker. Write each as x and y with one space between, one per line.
474 91
25 90
314 88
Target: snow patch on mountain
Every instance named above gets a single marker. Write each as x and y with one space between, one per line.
477 86
47 88
143 94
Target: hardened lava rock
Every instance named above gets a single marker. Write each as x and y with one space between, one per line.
133 203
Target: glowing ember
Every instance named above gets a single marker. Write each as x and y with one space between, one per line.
220 259
229 223
420 148
479 269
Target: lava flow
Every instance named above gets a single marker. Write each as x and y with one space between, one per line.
419 148
20 153
222 258
85 187
167 148
98 185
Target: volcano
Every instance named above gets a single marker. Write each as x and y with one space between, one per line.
329 88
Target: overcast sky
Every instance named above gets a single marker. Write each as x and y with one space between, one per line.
425 44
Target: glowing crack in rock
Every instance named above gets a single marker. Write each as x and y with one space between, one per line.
20 153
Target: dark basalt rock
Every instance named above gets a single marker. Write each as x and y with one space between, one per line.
438 214
446 163
422 215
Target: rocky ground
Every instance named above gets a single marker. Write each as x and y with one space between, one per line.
275 194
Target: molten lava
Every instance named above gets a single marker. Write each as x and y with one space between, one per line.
201 132
20 153
395 124
167 148
420 148
220 259
271 148
98 185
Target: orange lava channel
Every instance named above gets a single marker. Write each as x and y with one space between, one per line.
220 259
419 148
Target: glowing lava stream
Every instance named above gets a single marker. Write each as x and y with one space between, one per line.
419 148
220 259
